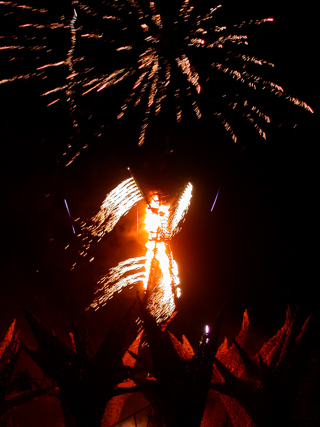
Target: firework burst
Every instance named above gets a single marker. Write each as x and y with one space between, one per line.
157 271
159 55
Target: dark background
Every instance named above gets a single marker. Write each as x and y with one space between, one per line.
256 250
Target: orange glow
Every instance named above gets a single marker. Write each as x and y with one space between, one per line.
156 270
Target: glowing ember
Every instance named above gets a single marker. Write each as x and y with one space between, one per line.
157 270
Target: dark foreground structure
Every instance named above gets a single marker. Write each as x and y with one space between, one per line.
215 384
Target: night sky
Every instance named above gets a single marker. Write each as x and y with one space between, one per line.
256 250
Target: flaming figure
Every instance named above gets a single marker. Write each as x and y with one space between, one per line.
157 270
178 53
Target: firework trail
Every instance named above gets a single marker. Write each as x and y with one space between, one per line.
185 56
67 207
157 271
215 199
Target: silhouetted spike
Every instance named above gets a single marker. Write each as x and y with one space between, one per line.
185 382
113 343
160 345
182 385
214 333
231 381
11 348
6 374
251 367
241 390
131 312
33 354
9 339
293 347
85 384
28 396
289 338
303 330
242 335
223 388
40 332
288 316
82 343
49 344
164 325
132 353
271 350
7 370
138 359
104 348
265 373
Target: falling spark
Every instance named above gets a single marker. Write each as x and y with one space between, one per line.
67 207
215 199
143 46
157 271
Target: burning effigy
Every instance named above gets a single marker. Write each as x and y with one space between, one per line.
156 269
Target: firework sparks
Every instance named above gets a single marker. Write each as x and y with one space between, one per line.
35 32
157 271
143 47
116 204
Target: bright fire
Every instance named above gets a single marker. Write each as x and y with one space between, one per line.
157 270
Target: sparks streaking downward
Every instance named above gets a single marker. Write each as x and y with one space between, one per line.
156 270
